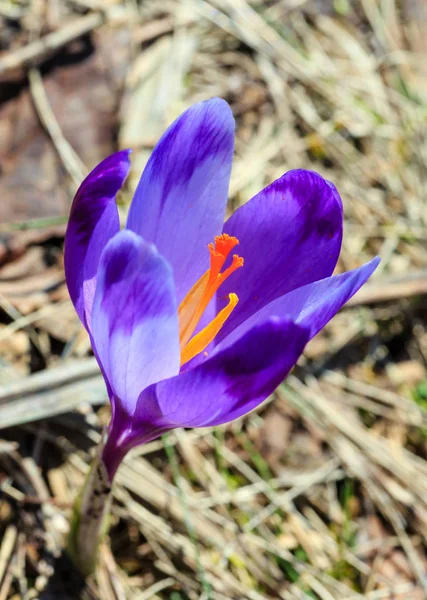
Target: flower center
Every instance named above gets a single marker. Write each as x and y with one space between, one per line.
193 306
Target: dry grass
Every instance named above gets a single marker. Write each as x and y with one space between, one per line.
321 493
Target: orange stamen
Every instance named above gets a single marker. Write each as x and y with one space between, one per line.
189 305
197 300
206 336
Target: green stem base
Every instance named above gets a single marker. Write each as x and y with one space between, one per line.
89 521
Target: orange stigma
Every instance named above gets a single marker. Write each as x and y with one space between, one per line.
193 306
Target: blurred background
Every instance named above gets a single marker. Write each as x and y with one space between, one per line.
322 492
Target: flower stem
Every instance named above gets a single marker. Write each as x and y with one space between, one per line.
89 519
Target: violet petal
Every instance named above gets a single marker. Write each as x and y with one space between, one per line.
290 235
93 221
134 319
180 201
310 306
233 381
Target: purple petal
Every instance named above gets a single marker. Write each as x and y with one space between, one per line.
310 306
233 381
179 204
290 235
93 221
134 318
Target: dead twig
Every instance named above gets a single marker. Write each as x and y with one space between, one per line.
41 49
70 159
387 289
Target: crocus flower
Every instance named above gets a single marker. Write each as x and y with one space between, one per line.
194 322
